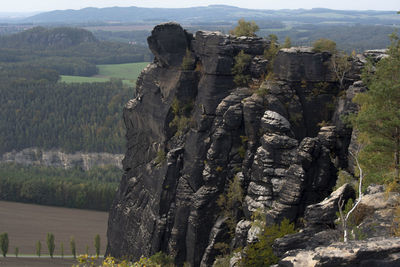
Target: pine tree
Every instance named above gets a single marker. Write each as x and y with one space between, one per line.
378 120
288 43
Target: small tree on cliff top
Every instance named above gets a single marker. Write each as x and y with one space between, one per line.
324 45
245 28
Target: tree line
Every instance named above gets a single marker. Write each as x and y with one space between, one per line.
51 245
94 189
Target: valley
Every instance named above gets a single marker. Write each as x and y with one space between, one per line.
230 137
28 223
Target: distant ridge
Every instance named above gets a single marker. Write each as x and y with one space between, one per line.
212 13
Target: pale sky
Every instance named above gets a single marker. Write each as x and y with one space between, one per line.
46 5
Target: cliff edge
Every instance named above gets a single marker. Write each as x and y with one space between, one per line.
190 131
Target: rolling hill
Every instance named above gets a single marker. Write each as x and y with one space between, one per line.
212 13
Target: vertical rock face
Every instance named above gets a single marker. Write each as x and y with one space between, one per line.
190 131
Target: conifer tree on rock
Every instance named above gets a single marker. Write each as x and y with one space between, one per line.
378 120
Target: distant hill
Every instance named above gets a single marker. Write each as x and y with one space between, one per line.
44 38
212 13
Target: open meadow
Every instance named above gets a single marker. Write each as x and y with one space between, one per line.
128 73
28 223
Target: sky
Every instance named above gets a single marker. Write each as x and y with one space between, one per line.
47 5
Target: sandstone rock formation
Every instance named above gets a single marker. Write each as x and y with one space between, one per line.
374 218
191 131
379 252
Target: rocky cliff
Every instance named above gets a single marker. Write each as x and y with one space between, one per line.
190 131
59 159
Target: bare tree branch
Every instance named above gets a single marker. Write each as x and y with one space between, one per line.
343 218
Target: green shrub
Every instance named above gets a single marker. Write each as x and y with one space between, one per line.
157 260
222 262
324 45
182 120
16 252
241 151
262 91
161 157
260 253
344 178
162 259
188 61
270 54
239 70
230 201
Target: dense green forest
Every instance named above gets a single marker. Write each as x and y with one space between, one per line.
69 51
38 110
73 117
72 188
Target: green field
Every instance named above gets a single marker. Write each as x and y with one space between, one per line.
80 79
127 72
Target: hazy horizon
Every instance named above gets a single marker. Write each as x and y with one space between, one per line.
29 6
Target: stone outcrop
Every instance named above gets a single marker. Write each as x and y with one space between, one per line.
319 224
373 252
59 159
301 63
190 131
374 218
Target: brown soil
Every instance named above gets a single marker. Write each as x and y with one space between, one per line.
28 223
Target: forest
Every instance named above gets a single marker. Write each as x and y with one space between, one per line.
71 188
69 51
72 117
39 110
